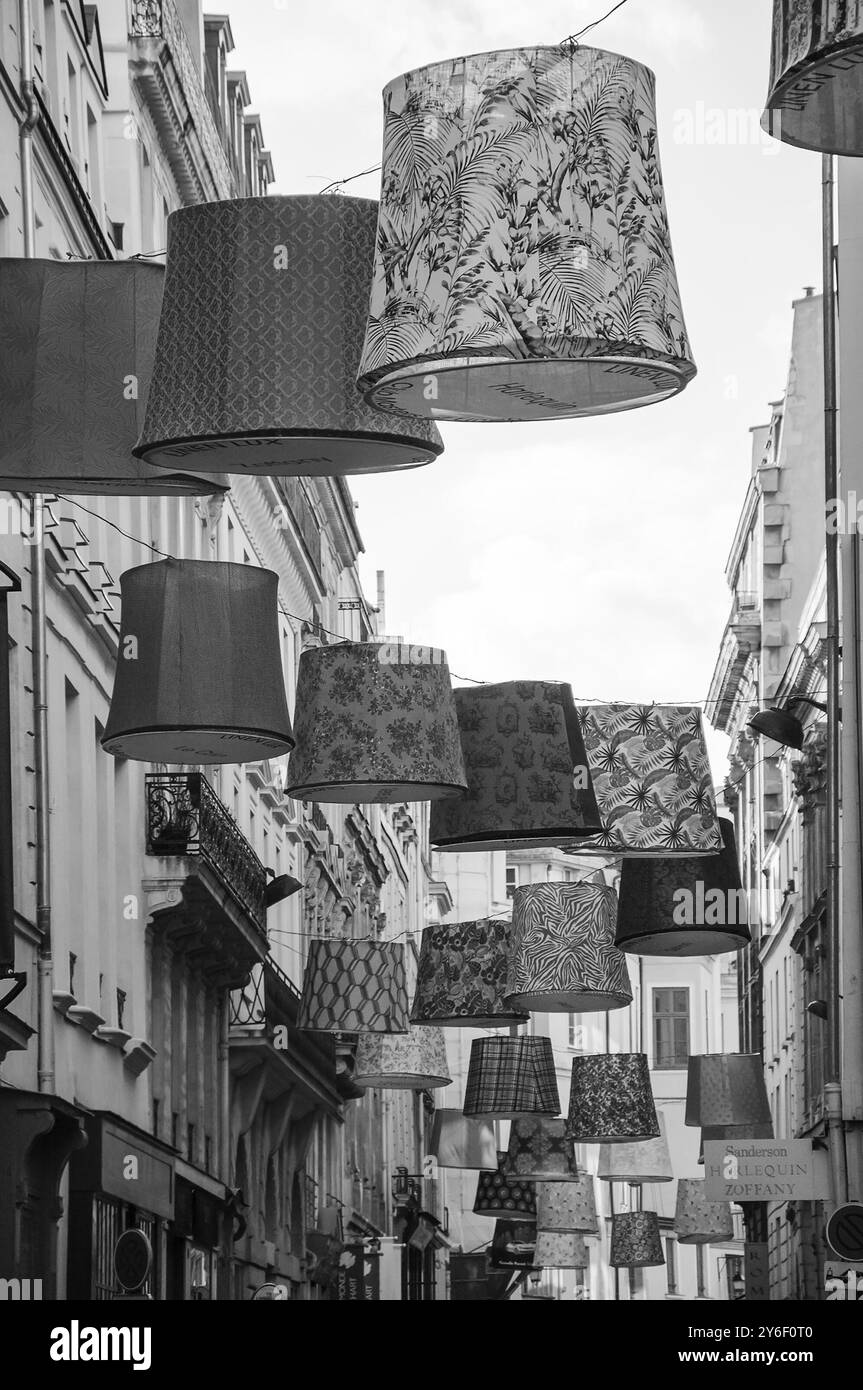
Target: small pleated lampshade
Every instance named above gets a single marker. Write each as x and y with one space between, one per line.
646 1161
563 957
568 1207
734 1133
539 1150
528 779
814 99
521 307
460 1141
727 1088
683 907
499 1195
199 674
697 1220
259 341
636 1241
560 1250
461 976
77 340
509 1077
375 722
398 1062
354 987
513 1244
611 1101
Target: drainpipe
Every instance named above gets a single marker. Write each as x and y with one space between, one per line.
225 1090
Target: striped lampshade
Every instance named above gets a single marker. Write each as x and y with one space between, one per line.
563 957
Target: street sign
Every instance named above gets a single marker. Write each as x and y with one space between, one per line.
763 1170
133 1258
845 1232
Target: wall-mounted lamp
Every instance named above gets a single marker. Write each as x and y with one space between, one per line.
282 886
782 727
818 1007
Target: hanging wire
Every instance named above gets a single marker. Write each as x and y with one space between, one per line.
571 40
129 537
340 183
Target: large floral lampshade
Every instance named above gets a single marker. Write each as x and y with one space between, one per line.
697 1219
611 1101
815 97
563 957
415 1061
498 1194
509 1077
636 1240
727 1088
567 1206
644 1161
461 976
354 987
523 268
560 1250
539 1150
462 1141
259 342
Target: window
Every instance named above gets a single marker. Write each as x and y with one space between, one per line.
576 1032
511 880
671 1028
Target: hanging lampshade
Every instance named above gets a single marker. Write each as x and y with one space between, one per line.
733 1133
539 1150
77 340
528 782
636 1242
508 1077
697 1220
259 342
472 1280
560 1250
653 782
199 672
523 267
375 722
563 957
461 976
513 1244
459 1141
499 1195
611 1101
354 987
567 1206
412 1062
683 907
814 98
727 1088
645 1161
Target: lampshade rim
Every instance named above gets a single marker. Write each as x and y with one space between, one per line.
639 945
537 1176
559 48
506 1214
510 1114
501 1020
636 1180
572 1001
716 1239
163 484
431 449
401 1081
342 793
493 839
827 53
578 1138
112 741
369 1027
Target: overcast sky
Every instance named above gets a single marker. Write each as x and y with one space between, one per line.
591 551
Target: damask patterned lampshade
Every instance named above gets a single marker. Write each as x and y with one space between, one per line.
508 1077
547 294
636 1242
698 1221
458 1141
539 1150
646 1161
461 976
77 340
415 1062
259 342
499 1195
375 722
560 1250
727 1088
563 957
528 780
199 674
354 987
684 907
567 1206
513 1244
815 99
611 1101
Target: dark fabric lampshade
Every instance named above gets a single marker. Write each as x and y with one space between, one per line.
473 1281
727 1088
199 672
683 907
512 1246
354 987
560 1250
644 1161
508 1077
77 340
563 957
499 1195
539 1150
636 1240
259 342
375 722
528 779
415 1061
460 1141
521 306
611 1101
815 100
461 976
735 1133
567 1206
697 1220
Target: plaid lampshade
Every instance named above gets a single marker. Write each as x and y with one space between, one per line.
814 97
645 1161
636 1241
560 1250
355 987
461 976
539 1150
568 1207
513 1244
395 1062
563 957
509 1077
697 1219
461 1141
611 1101
727 1088
499 1195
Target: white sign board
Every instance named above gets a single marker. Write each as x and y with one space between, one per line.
763 1170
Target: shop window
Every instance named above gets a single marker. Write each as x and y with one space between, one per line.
671 1029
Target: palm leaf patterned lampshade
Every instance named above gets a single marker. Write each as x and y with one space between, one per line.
460 1141
497 1194
636 1240
528 780
611 1101
645 1161
461 976
77 340
354 987
412 1062
815 99
508 1077
513 1243
259 341
539 1150
524 268
563 957
727 1088
684 907
375 722
697 1220
560 1250
567 1206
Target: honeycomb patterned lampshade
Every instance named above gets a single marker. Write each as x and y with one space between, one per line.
563 957
459 1141
611 1101
697 1220
568 1207
636 1242
539 1150
522 307
509 1077
499 1195
645 1161
375 722
354 987
77 340
461 976
513 1243
815 99
415 1062
528 779
199 674
259 341
560 1250
727 1089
